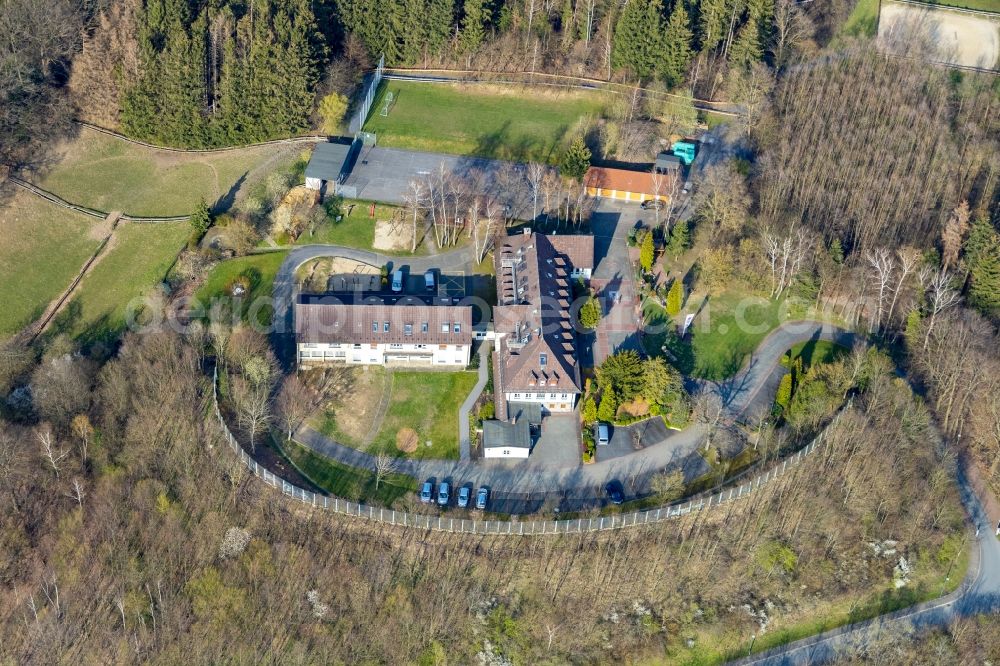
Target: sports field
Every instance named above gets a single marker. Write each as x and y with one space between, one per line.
43 248
109 174
504 122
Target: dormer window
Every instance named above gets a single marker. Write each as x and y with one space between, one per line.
423 327
444 327
407 329
385 327
458 327
543 359
374 327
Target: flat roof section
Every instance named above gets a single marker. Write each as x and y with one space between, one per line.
328 161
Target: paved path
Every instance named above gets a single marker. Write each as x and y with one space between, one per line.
464 438
979 593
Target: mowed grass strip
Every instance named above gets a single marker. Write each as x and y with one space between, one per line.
107 173
134 263
487 120
44 247
427 402
346 482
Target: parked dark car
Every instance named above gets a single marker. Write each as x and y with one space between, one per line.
481 497
444 494
652 204
427 492
614 491
464 495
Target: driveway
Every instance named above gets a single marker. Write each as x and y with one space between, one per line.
612 280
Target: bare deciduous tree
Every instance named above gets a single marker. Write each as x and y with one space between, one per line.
385 465
295 402
50 449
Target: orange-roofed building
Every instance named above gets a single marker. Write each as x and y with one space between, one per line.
626 185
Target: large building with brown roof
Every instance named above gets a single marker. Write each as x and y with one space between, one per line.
383 330
626 185
535 359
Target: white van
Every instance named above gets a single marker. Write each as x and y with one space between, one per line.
397 281
603 434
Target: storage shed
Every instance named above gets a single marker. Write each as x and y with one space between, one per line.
329 163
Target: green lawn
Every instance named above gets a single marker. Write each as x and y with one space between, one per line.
106 173
259 269
428 402
814 352
355 229
487 120
862 21
425 401
44 247
728 330
348 482
133 264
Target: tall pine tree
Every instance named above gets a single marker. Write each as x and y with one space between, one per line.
677 51
637 44
982 256
473 25
746 49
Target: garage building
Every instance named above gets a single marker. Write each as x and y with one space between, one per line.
625 185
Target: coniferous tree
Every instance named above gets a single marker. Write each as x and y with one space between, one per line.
609 404
677 51
713 18
675 298
589 411
575 161
646 254
473 25
746 49
982 255
679 238
638 38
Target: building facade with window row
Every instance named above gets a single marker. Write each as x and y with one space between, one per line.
400 331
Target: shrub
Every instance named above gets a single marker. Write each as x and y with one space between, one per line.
775 555
590 313
609 404
646 254
675 298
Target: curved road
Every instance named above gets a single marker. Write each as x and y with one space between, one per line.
524 486
978 593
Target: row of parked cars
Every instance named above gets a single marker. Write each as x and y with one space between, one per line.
443 495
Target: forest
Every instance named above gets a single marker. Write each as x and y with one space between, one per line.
132 535
198 73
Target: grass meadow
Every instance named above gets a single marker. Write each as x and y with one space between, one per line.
109 174
134 263
44 247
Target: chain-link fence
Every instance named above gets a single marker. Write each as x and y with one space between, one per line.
512 527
